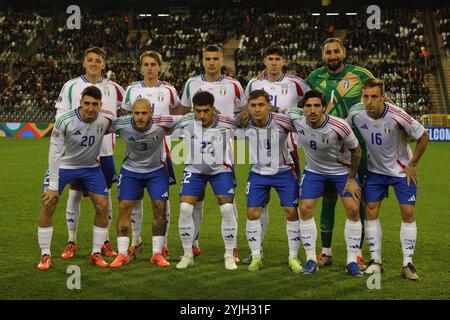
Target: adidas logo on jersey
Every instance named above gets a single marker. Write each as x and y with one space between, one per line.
231 191
364 126
77 133
131 139
413 198
165 195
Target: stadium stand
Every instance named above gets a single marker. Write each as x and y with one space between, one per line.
400 52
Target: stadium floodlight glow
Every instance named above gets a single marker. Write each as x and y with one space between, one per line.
351 14
316 14
332 14
163 15
145 15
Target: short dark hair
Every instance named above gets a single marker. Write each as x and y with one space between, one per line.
203 98
212 48
93 92
96 50
331 40
313 94
273 50
371 83
258 93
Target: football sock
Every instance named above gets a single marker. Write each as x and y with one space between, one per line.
99 237
158 243
253 231
408 235
308 234
73 213
136 222
362 216
228 227
166 236
264 218
45 239
293 233
122 245
352 234
373 235
109 213
198 218
186 227
235 210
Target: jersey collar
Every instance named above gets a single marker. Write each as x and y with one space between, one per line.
266 77
202 76
158 84
83 77
385 110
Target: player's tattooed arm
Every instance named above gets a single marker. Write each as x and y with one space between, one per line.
122 112
351 186
180 110
242 118
354 163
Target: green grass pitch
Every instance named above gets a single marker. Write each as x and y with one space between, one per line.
23 164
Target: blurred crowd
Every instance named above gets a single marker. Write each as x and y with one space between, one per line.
29 87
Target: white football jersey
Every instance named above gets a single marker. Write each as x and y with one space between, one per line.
229 97
323 146
285 93
76 144
269 153
208 149
145 150
386 138
163 98
112 96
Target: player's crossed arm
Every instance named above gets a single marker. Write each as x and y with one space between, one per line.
351 186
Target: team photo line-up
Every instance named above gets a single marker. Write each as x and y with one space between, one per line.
354 138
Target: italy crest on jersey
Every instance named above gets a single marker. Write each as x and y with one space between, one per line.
155 137
346 84
325 138
222 91
99 128
106 91
160 97
387 130
284 90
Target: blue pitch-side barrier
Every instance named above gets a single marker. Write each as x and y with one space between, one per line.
440 134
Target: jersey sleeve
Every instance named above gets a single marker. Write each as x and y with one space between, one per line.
55 153
355 110
186 97
120 95
296 114
284 122
350 140
240 99
174 99
412 127
228 122
168 123
301 87
126 102
344 131
64 101
119 124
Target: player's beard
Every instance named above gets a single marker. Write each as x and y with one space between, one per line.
332 67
